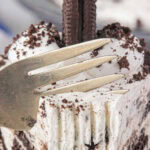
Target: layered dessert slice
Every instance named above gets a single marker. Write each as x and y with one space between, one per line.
113 117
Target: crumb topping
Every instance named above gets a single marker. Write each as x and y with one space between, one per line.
34 36
123 63
138 77
114 30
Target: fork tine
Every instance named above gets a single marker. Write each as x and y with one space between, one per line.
63 53
119 91
67 71
84 86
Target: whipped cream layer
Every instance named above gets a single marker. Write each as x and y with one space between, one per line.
97 118
66 121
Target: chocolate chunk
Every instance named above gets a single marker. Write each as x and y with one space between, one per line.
123 62
79 21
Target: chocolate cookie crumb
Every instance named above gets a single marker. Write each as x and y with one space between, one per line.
31 30
138 77
123 63
64 101
7 49
42 107
130 81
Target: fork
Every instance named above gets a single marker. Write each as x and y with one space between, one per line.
19 97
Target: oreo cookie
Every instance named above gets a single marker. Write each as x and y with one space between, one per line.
79 21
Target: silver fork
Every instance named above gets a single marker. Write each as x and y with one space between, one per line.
19 97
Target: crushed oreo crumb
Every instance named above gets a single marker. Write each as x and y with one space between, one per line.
32 29
123 63
138 77
42 107
64 101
